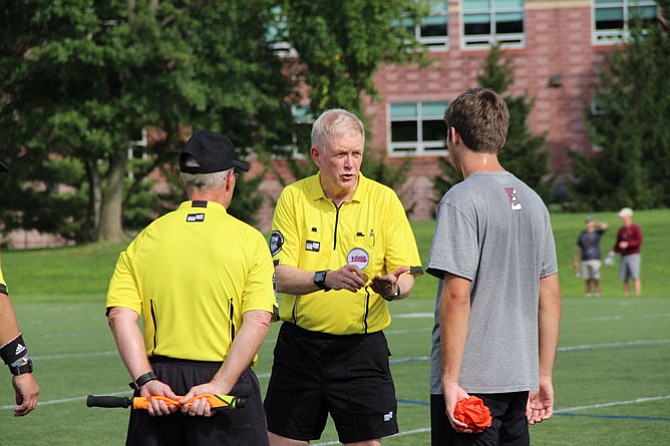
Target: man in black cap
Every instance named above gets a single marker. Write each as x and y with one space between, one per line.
13 350
202 282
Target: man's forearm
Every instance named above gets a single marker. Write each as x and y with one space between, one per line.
454 314
9 327
292 280
129 340
246 345
549 318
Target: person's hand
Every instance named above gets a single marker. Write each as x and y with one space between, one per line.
453 393
387 285
540 405
200 406
158 408
349 278
27 391
623 245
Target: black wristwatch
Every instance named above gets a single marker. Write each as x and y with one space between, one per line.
142 380
320 279
394 295
22 368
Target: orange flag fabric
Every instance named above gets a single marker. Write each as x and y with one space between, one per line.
474 413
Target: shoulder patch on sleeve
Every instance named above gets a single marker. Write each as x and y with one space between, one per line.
276 242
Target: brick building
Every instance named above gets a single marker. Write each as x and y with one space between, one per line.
555 47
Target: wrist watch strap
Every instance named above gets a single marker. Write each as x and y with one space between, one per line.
22 368
142 380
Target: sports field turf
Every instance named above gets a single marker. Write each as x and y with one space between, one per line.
612 380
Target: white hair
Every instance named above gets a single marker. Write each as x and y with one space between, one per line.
203 181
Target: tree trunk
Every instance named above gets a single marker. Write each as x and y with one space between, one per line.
94 199
111 228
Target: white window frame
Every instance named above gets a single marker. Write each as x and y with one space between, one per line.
301 115
480 41
280 47
420 147
619 35
132 145
413 26
434 42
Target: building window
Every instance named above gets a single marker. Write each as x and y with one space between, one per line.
432 29
277 34
611 18
417 128
301 135
487 22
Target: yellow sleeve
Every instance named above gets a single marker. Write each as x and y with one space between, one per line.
285 237
122 290
259 293
401 249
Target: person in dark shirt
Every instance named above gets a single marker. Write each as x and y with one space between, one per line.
588 253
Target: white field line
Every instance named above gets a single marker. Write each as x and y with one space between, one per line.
612 345
614 403
75 355
560 349
69 400
414 316
399 434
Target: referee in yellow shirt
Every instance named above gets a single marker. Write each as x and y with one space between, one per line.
202 282
343 248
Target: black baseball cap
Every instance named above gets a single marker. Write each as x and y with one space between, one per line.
213 152
3 167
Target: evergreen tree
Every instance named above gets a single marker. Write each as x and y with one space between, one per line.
524 154
629 123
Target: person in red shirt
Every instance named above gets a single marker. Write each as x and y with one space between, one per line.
628 243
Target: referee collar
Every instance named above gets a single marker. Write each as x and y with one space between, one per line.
202 204
315 191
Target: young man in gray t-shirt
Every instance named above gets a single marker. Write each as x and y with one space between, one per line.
498 302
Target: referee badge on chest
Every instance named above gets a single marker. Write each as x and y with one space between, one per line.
358 257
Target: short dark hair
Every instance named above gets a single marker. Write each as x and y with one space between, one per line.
481 117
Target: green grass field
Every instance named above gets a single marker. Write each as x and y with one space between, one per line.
612 382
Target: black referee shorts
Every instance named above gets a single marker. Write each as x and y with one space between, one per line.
315 374
509 426
227 427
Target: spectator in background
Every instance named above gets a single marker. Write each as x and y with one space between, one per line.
589 253
628 243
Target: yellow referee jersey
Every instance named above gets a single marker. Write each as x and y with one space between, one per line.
3 285
192 274
371 231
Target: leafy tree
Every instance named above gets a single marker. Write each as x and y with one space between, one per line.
79 78
340 47
629 123
524 154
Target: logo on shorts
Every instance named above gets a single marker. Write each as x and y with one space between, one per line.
513 200
276 242
388 416
358 257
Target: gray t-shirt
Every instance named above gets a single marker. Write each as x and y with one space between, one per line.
495 231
